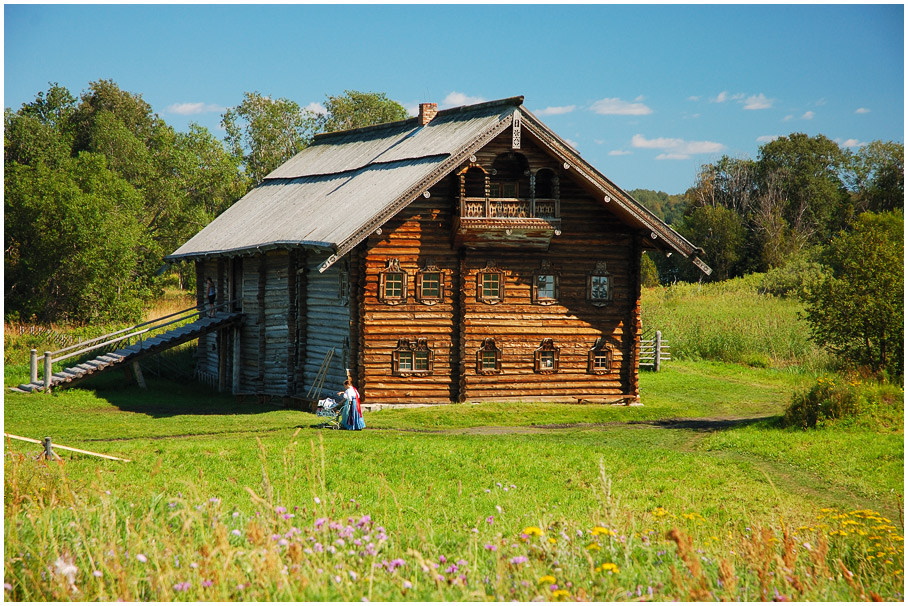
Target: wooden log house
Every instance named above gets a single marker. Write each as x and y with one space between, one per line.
468 254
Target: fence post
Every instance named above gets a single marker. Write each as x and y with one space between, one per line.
33 366
48 371
48 451
658 350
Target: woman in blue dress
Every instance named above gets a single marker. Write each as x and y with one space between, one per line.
352 414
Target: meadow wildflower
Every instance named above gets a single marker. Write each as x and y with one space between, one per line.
97 574
608 567
184 586
67 569
560 593
532 531
141 557
547 578
516 560
491 547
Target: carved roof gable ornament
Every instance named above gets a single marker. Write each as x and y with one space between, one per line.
515 130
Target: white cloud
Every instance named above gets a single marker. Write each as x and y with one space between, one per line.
820 102
758 102
720 98
862 110
693 98
676 149
620 152
556 110
412 109
317 108
853 143
455 99
787 118
617 107
598 141
808 116
188 109
767 138
572 143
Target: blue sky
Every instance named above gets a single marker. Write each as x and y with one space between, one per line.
646 93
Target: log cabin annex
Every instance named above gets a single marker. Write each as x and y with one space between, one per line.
463 255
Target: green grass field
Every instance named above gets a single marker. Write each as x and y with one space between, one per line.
698 494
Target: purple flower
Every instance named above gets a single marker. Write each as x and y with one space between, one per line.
181 586
236 533
287 516
451 569
407 584
141 557
490 519
491 547
320 522
283 542
519 560
280 509
317 500
97 573
442 559
207 583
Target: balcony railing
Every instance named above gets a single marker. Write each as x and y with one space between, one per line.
510 208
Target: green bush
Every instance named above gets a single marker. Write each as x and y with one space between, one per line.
793 278
839 399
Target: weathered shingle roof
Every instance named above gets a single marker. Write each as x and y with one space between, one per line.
325 193
346 184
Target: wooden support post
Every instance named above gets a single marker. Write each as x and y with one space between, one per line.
658 350
33 366
48 371
137 371
49 453
222 360
237 333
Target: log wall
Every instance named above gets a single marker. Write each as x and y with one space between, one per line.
456 327
327 324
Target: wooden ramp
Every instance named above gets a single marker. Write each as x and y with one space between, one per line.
122 357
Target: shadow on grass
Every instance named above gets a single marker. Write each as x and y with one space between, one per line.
711 424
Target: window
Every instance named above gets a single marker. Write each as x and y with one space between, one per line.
546 357
600 358
490 284
430 284
599 285
412 357
488 358
503 190
343 283
545 284
392 284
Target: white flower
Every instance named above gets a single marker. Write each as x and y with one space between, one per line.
67 569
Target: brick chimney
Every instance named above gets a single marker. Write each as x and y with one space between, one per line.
427 111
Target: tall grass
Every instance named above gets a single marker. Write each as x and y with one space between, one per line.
67 541
732 321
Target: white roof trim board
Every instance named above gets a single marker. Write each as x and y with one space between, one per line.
345 185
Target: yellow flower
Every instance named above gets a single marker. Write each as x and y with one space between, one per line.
532 531
548 579
552 540
659 512
598 530
560 593
593 547
607 567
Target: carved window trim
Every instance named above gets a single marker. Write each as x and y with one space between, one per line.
387 277
488 351
546 269
343 283
546 358
491 269
594 286
426 270
601 351
412 357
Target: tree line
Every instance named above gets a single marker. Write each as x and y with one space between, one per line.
824 223
98 189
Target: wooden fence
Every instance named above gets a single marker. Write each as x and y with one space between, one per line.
653 351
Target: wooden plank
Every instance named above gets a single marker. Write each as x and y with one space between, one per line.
88 452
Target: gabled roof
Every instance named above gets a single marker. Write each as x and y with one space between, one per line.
346 184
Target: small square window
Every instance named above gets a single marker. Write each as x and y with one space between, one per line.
489 360
547 360
601 361
491 286
546 357
545 286
421 360
601 356
600 288
405 361
394 286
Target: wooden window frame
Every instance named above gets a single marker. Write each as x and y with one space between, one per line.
546 269
491 268
546 347
343 283
393 268
496 190
411 348
488 346
429 268
601 347
600 271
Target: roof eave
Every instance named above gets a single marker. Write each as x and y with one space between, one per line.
248 250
